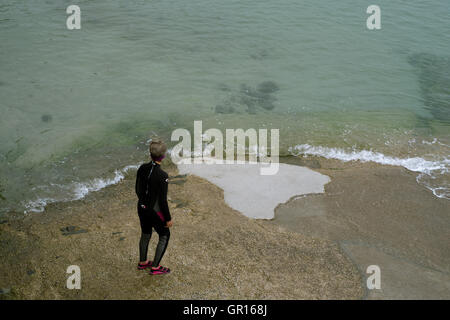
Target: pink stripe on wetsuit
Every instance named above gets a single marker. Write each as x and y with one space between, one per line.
160 215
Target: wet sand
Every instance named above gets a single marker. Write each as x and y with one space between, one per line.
318 246
379 215
215 252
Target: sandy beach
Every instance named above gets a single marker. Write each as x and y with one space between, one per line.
318 246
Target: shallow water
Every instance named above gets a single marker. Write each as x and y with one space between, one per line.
79 105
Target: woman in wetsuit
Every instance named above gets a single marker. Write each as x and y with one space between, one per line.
153 210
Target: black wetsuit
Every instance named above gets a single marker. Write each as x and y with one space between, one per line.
151 189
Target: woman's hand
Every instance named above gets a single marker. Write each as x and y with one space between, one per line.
169 224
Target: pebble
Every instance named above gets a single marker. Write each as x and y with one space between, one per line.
69 230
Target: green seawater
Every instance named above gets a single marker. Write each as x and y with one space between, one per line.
77 105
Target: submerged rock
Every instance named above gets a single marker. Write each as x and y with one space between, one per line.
249 99
268 87
261 97
266 104
225 109
2 197
46 118
250 102
434 80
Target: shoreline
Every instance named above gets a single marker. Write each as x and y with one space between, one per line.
78 186
312 264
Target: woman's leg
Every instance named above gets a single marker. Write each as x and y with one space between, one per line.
143 247
146 233
164 236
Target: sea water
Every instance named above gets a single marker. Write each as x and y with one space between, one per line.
78 106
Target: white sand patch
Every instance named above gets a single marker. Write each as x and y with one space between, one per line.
256 195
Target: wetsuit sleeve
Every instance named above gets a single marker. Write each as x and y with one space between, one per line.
163 205
140 185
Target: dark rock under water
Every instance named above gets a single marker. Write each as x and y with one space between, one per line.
1 196
434 79
46 118
268 87
261 97
225 109
249 99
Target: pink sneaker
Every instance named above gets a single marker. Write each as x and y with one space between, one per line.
144 266
159 270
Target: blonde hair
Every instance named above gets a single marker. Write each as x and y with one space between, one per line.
157 149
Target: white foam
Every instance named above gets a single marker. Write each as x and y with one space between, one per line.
255 195
77 190
427 168
416 164
440 191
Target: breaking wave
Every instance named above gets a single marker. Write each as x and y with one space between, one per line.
74 190
429 170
